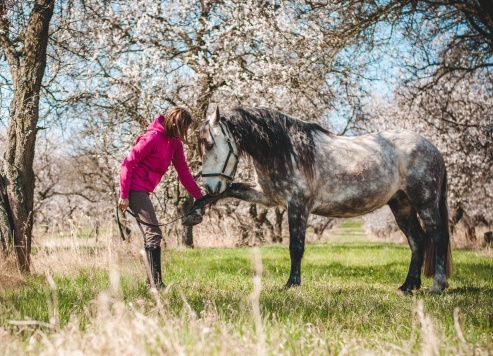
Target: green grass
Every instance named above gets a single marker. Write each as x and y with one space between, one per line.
347 300
350 285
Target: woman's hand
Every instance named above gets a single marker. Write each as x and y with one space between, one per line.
123 204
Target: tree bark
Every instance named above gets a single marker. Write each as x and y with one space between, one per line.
278 225
27 67
5 219
187 233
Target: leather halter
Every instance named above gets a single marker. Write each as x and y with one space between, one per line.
231 152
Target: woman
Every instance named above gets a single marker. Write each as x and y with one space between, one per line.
142 170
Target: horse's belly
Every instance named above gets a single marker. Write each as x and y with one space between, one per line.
347 209
354 201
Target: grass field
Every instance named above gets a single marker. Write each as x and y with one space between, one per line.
225 301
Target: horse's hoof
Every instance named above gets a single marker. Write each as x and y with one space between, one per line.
191 219
295 282
159 285
436 290
404 292
408 288
438 287
290 285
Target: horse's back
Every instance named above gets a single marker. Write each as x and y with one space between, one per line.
357 175
405 150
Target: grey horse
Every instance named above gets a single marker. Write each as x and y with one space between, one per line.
307 169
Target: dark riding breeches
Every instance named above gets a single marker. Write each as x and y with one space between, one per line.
141 205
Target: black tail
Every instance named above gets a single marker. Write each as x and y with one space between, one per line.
430 252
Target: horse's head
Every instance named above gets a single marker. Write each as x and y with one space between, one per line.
219 154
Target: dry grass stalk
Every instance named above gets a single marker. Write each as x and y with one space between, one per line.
429 337
255 299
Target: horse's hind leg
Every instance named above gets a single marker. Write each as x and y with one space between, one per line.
407 220
429 198
437 253
297 219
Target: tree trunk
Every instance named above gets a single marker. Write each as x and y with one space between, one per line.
184 207
278 225
27 68
5 218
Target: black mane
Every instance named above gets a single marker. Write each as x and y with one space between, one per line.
274 139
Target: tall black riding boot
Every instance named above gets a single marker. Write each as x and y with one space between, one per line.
154 257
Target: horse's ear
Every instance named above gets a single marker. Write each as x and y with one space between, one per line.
215 117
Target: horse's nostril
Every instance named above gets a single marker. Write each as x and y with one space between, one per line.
218 188
208 189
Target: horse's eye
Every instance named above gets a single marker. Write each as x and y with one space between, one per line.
209 145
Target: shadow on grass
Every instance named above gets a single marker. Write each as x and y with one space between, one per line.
470 291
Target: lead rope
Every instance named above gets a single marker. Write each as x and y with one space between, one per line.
140 222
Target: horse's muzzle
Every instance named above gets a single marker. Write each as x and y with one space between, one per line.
214 191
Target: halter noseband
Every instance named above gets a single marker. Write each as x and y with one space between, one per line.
230 177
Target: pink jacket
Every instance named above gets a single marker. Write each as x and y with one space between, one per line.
149 160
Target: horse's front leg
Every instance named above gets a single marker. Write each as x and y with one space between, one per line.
243 191
297 219
246 192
